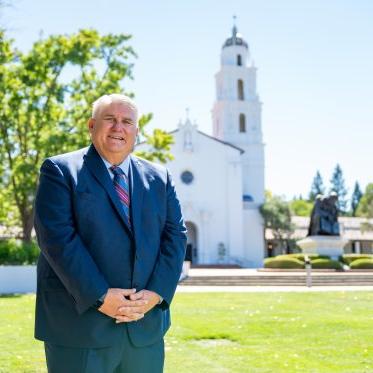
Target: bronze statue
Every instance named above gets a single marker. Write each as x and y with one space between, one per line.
324 216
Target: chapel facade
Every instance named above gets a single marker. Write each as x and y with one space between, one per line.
220 178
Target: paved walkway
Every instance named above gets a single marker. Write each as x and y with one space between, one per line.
254 272
276 289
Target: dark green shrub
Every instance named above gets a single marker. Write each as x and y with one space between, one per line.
362 264
291 256
302 256
285 263
349 258
15 252
323 263
6 246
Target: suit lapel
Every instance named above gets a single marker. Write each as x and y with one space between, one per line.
137 193
97 167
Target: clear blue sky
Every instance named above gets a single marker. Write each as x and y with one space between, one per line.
314 59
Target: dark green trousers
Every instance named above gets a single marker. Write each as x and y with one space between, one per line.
124 358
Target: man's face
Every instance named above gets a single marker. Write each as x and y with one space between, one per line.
114 131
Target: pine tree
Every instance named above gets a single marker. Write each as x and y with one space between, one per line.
365 208
355 198
338 186
317 187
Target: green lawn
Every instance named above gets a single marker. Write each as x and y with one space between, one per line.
233 332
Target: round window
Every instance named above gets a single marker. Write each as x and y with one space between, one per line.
187 177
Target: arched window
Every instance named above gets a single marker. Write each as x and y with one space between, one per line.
242 123
240 89
239 60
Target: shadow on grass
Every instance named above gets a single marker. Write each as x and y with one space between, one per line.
212 337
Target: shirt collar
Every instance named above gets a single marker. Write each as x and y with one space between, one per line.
124 165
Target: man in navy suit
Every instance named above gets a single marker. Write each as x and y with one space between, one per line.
112 242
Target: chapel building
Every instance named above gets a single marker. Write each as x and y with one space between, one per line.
220 178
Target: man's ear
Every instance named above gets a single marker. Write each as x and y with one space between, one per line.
91 124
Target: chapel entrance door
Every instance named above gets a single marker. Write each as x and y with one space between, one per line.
191 250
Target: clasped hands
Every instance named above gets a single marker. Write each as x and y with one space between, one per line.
126 305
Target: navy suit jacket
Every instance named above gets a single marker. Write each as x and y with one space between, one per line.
87 247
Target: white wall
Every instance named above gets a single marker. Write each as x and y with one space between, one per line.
213 201
253 237
17 279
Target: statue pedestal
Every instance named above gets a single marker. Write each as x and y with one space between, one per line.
323 245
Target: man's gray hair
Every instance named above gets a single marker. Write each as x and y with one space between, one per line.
108 99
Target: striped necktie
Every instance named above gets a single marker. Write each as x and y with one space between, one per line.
122 189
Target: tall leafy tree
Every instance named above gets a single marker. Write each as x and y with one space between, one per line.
338 186
355 198
300 207
45 97
365 208
277 217
317 186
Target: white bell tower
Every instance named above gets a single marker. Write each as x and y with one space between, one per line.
236 117
236 114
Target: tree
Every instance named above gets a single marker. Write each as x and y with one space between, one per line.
355 198
277 217
338 186
317 187
45 108
300 207
159 143
365 208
